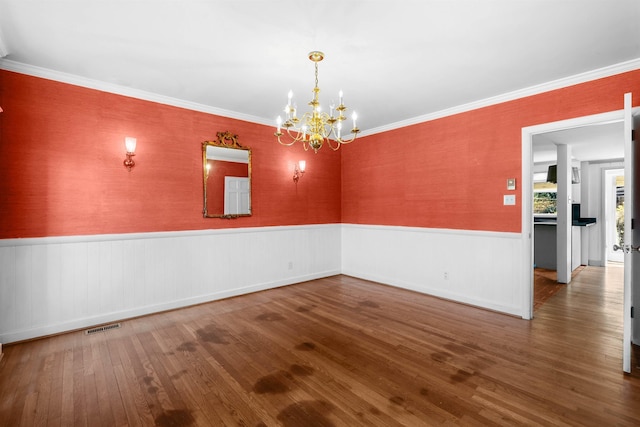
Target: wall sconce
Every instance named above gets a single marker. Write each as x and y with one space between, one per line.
299 171
130 145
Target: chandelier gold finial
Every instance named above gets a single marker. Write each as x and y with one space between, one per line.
315 127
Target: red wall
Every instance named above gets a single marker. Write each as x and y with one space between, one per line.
62 147
452 172
61 171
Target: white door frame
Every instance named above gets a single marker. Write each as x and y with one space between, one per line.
527 192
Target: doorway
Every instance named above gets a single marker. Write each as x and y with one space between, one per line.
614 214
562 129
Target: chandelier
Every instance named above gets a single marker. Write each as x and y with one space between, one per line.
315 127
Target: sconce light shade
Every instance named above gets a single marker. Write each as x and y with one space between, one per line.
130 146
299 171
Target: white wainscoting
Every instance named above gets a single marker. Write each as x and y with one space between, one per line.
56 284
478 268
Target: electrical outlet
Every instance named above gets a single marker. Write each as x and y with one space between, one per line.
446 275
290 265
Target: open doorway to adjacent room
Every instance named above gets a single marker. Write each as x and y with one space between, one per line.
597 154
614 213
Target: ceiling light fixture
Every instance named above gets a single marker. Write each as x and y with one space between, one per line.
315 126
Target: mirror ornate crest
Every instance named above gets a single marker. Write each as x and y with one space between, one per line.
226 170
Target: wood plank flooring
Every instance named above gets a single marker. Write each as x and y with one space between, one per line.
336 352
545 284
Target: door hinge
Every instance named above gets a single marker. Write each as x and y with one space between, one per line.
633 134
632 312
633 223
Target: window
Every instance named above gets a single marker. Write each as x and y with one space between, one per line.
544 202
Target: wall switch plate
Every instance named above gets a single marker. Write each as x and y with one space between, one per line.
509 199
511 184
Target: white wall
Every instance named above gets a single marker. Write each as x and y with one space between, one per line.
478 268
50 285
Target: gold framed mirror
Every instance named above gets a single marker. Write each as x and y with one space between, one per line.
226 171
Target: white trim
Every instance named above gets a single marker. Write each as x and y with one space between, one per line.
45 73
602 118
461 232
90 280
72 79
30 241
526 277
527 185
437 292
608 71
473 267
124 315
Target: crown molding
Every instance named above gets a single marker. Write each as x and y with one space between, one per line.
608 71
75 80
45 73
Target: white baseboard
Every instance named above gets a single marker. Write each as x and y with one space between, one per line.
472 267
106 278
123 315
438 293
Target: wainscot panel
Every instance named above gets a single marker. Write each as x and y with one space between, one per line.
56 284
472 267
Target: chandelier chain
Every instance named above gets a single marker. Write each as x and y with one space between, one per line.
316 64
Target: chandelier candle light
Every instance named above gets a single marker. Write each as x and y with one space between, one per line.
315 126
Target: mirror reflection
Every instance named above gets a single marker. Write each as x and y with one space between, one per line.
226 167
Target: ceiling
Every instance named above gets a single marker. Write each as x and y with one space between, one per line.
395 61
588 143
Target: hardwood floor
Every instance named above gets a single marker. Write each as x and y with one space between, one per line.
336 352
545 284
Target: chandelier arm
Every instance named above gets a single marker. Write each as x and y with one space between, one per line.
285 143
298 137
336 148
327 127
294 139
355 135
